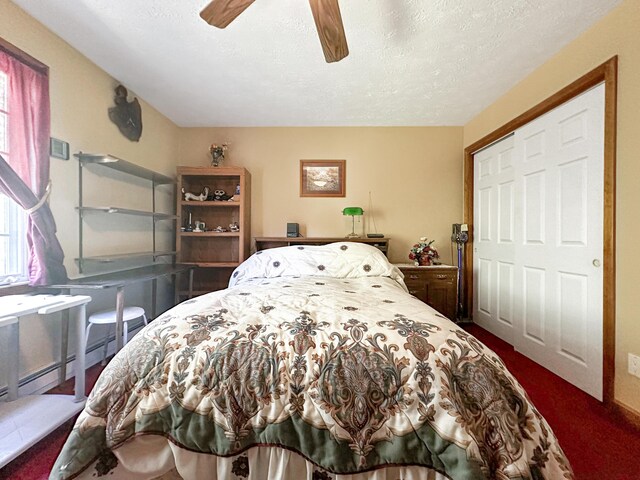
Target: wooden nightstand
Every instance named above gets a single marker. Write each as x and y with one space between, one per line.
436 285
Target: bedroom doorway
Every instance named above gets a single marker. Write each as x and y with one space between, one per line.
538 247
605 74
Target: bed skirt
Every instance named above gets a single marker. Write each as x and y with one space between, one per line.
155 457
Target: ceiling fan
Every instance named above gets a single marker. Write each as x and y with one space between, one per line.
326 14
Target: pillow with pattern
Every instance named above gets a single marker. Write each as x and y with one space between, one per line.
337 260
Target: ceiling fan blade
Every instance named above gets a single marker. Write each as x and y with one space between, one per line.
221 13
326 14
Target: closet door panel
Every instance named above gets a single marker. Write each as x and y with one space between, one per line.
538 223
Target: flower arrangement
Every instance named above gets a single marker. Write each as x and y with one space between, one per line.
217 153
423 252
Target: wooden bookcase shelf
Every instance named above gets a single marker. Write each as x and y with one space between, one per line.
215 254
192 203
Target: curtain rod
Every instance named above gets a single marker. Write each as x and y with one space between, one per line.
23 57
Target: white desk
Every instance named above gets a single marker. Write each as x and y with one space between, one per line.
119 280
24 421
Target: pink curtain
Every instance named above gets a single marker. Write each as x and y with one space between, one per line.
28 176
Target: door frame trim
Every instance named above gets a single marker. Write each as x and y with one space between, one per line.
607 73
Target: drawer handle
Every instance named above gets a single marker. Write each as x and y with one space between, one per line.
412 292
413 276
441 275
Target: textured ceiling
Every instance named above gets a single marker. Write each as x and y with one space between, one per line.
412 62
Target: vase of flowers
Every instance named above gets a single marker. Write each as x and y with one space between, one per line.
217 153
423 252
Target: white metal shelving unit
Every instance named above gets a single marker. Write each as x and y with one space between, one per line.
115 163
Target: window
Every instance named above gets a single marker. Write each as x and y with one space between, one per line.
13 224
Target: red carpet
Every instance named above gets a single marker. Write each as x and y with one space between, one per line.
599 445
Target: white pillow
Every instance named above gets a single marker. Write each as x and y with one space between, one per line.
338 260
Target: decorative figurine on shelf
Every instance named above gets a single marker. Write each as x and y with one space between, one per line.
238 189
234 227
192 196
219 229
217 153
189 226
424 252
200 227
219 195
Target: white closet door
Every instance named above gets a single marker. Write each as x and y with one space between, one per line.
495 238
538 282
560 258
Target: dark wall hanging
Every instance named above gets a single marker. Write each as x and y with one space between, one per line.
127 115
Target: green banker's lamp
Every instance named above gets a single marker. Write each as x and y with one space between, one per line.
353 212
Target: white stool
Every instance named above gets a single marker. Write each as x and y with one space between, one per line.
109 316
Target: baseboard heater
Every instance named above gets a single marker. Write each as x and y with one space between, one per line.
32 377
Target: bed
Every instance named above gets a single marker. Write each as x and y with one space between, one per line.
314 364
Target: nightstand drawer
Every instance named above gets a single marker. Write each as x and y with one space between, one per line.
414 276
448 276
419 276
418 291
436 286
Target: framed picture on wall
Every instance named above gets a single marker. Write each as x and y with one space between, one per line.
322 178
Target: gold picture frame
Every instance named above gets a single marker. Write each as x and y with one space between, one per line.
322 178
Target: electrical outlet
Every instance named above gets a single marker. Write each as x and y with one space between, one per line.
634 365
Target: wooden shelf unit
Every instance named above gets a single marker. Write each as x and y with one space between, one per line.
215 254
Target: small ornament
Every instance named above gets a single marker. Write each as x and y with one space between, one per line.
219 195
217 153
234 227
189 226
424 252
192 196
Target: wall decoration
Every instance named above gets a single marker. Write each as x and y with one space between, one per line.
217 153
322 178
126 115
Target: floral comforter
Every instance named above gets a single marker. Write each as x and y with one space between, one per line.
315 363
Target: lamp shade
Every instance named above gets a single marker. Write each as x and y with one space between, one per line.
357 211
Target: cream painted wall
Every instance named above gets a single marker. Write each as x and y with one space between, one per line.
617 34
413 174
80 96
